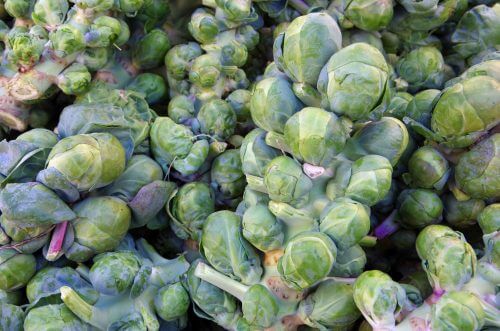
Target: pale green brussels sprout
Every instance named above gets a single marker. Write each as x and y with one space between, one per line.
316 136
15 269
286 182
369 15
54 317
203 26
489 218
457 311
239 100
398 104
387 137
49 13
418 208
262 229
422 68
210 302
345 221
477 31
330 306
205 71
175 146
44 287
151 49
23 158
181 109
379 298
251 198
227 179
190 207
355 82
103 31
11 317
129 7
420 107
180 58
27 47
306 45
359 36
255 153
101 223
236 11
152 86
227 251
478 171
427 168
113 273
441 11
172 302
349 263
74 80
273 103
431 233
367 180
217 119
308 258
18 8
67 40
83 163
462 214
490 68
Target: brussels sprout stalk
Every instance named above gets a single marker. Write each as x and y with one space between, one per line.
57 241
387 227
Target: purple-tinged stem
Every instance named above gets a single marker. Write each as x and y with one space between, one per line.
387 227
57 240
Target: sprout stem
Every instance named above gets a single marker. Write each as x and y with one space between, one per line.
57 240
299 5
368 241
388 226
210 275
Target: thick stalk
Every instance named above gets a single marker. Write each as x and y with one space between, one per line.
210 275
300 6
387 227
57 241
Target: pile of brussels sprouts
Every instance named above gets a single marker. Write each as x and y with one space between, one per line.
249 165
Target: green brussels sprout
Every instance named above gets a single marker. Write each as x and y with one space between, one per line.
262 229
387 137
152 86
67 40
11 317
349 263
129 7
113 273
465 110
418 208
489 218
82 163
12 297
44 287
431 233
346 222
286 182
101 223
26 48
210 302
353 36
477 31
273 103
205 71
227 251
180 58
18 8
95 58
490 68
191 206
53 317
15 269
478 171
239 100
172 302
462 214
330 306
255 153
181 109
151 49
369 15
420 107
457 311
398 104
422 68
74 80
427 168
217 119
49 13
315 136
379 298
437 14
308 258
227 178
306 45
103 31
203 26
355 81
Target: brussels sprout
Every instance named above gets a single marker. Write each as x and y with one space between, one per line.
205 71
262 229
203 26
330 306
431 233
457 311
462 214
12 297
369 15
82 163
172 302
418 208
53 317
349 263
217 119
181 109
422 68
355 81
255 153
227 251
489 218
11 317
227 178
273 103
101 223
49 13
67 40
179 59
432 14
191 206
152 86
74 80
308 258
27 47
478 171
346 222
427 169
44 287
15 269
239 100
151 49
